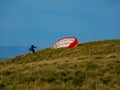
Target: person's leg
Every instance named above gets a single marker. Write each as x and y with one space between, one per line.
33 51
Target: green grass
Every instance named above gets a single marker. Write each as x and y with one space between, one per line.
89 66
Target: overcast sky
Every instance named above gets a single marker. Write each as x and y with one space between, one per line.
43 22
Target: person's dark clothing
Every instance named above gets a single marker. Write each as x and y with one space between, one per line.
32 48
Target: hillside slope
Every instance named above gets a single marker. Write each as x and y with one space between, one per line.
89 66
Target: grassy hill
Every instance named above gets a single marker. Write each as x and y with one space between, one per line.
89 66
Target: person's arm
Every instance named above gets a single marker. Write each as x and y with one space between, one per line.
35 47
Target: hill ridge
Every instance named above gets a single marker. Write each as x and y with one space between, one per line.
89 66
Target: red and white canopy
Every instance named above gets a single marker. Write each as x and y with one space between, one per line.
68 42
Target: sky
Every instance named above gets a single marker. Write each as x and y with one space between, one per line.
43 22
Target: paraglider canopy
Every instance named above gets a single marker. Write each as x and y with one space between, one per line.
68 42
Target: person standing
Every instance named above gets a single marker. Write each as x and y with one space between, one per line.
32 48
